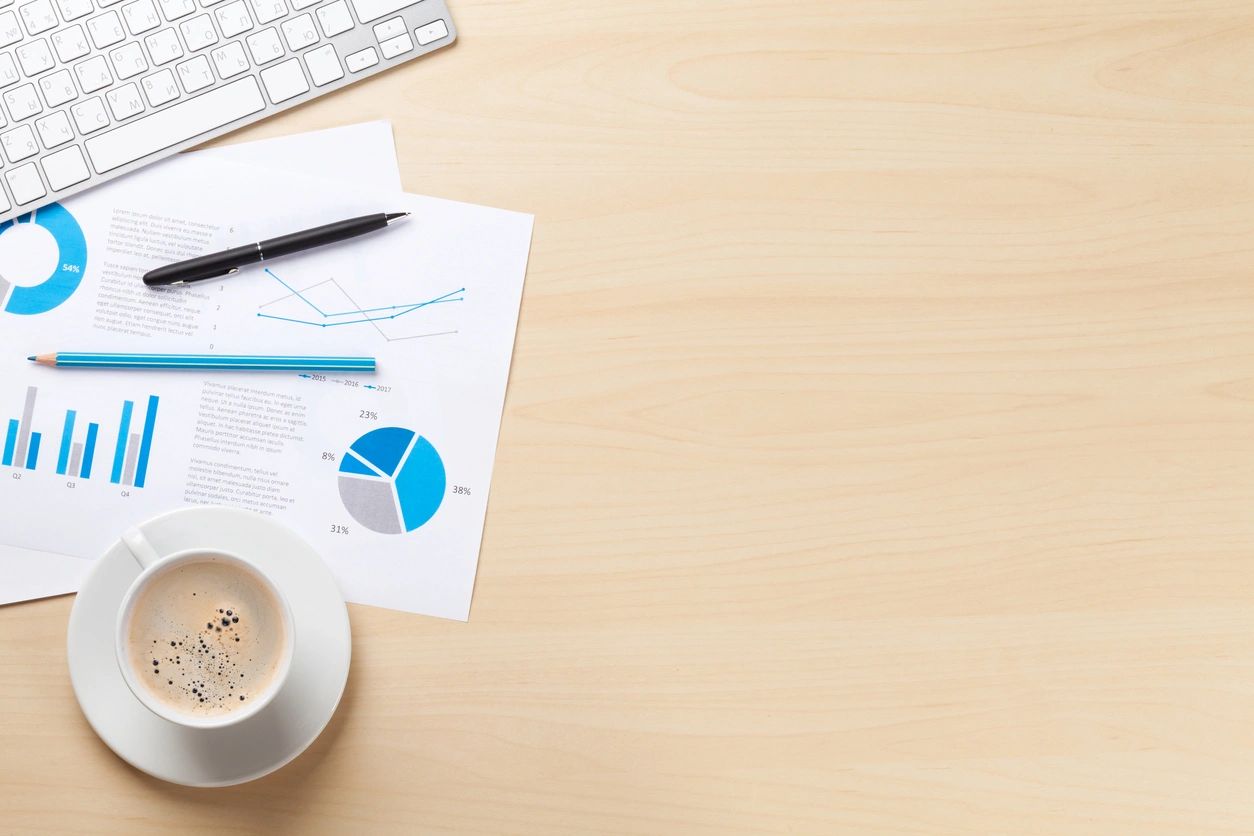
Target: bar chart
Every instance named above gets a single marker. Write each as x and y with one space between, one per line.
81 441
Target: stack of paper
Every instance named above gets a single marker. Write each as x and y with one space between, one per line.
386 474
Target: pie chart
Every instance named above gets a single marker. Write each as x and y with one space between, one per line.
391 480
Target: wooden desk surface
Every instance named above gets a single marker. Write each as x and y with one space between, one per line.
878 456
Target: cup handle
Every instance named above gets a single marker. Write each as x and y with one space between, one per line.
143 552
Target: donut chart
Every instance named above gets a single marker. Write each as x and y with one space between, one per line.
67 273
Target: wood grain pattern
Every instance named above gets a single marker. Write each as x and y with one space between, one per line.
877 456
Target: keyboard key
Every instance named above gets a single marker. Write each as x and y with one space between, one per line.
4 202
334 18
163 47
10 30
54 129
35 57
324 65
19 143
128 61
106 3
70 43
267 11
174 9
284 81
93 74
106 30
21 102
124 102
399 45
389 28
38 16
74 9
208 3
195 74
264 45
58 88
89 115
160 87
432 32
233 18
198 32
65 168
362 59
368 10
177 123
299 32
141 16
25 184
297 5
230 59
8 70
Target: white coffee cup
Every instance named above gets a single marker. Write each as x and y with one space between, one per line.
154 564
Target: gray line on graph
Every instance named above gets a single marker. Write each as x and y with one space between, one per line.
359 310
419 336
356 307
290 295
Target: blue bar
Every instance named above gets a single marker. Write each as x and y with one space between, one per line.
67 435
9 440
119 451
145 443
89 450
32 455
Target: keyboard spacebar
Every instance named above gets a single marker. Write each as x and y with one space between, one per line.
368 10
176 124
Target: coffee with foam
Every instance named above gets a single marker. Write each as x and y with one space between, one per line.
205 636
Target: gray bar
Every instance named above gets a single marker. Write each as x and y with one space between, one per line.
132 451
4 289
23 435
76 456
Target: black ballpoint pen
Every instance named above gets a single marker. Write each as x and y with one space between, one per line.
229 261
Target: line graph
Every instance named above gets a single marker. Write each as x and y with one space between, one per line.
301 307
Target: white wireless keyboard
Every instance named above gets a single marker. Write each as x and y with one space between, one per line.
91 89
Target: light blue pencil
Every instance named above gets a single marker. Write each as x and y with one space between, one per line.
205 362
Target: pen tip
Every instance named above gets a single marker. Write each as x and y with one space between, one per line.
394 216
30 357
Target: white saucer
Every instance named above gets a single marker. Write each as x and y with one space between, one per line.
253 747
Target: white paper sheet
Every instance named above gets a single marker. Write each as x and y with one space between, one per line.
364 154
388 474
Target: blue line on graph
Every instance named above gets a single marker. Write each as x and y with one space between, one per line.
401 310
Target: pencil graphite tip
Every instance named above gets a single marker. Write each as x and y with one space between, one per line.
31 357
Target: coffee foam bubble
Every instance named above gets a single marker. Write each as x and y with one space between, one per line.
205 636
